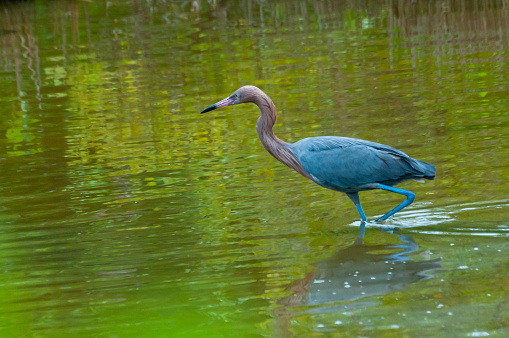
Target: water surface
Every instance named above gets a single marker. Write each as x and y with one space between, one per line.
126 213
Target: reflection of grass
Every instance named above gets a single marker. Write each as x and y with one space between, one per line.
100 132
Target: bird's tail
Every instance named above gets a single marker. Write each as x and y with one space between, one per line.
425 170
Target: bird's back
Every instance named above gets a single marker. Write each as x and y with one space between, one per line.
349 165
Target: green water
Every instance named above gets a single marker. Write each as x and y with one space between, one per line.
125 213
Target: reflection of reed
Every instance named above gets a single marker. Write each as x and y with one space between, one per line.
444 21
448 17
355 273
31 54
21 36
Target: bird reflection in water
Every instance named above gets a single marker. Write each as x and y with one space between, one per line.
340 283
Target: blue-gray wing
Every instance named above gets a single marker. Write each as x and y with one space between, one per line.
344 164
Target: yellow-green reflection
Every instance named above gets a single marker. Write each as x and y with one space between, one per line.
124 212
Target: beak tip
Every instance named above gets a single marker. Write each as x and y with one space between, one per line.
206 110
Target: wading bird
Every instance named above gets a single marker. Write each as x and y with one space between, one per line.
338 163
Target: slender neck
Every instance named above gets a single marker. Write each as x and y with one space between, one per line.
266 122
277 148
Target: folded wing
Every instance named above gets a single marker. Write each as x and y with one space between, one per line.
344 164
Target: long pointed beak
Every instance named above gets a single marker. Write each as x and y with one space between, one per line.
223 103
206 110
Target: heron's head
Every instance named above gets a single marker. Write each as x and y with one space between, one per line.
242 95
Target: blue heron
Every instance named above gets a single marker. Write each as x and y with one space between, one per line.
342 164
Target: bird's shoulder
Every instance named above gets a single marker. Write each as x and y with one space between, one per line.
338 143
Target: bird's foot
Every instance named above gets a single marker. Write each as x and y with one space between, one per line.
383 225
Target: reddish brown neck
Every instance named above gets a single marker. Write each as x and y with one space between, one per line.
277 148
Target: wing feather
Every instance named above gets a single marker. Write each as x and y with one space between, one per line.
343 163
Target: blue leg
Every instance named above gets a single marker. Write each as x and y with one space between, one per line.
355 199
361 212
409 199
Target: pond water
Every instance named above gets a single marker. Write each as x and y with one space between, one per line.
124 212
